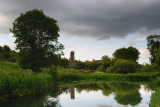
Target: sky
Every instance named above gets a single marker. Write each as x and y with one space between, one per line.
91 28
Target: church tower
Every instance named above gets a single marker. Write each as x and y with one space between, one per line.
71 60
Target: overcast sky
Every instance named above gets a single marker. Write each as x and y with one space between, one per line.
91 28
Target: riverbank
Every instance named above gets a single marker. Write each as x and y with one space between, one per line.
68 94
16 82
139 77
155 98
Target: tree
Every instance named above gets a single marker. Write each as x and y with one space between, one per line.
104 63
153 43
64 62
79 65
122 66
36 39
1 49
129 53
6 51
88 65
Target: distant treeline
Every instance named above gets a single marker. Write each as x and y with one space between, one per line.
124 61
6 54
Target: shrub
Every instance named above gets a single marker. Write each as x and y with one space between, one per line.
101 68
52 70
150 68
123 66
79 65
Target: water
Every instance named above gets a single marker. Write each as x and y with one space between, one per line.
90 94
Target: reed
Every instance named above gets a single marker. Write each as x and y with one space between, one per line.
15 82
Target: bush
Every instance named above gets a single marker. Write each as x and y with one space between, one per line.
101 69
53 72
79 65
150 68
123 66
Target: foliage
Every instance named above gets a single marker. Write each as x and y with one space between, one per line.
64 62
129 53
18 82
8 65
79 65
65 70
150 68
153 43
87 65
123 66
15 82
6 51
105 63
154 102
95 64
52 70
74 75
36 39
6 54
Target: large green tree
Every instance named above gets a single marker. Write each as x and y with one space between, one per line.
36 39
153 43
129 53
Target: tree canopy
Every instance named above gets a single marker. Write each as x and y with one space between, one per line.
129 53
36 39
6 54
153 43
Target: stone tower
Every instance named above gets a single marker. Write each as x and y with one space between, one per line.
71 60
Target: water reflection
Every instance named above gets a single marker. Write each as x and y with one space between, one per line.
72 92
87 94
125 93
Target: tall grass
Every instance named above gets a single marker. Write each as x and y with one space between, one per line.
15 82
8 65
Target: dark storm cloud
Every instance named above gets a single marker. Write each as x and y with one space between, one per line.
100 19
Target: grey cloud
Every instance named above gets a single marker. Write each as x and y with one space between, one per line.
99 19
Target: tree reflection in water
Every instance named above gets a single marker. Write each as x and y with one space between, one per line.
48 98
124 93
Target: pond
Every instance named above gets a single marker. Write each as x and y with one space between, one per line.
88 94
